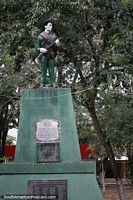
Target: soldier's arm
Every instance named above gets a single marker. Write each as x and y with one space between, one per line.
39 44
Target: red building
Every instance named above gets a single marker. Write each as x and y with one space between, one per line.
85 153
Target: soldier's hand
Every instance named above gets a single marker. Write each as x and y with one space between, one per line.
57 42
43 50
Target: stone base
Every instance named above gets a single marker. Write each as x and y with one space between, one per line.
80 178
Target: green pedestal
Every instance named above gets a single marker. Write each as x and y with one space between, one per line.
41 104
34 168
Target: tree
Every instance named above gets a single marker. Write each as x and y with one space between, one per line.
8 100
15 73
115 113
108 54
108 44
11 88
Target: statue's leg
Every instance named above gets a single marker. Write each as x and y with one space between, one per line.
51 65
43 71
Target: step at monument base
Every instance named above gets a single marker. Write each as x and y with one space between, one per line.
62 181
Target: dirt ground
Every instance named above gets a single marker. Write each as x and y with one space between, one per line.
111 192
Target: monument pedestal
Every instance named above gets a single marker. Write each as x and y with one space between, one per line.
47 162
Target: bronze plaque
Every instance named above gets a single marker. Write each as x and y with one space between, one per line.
51 189
47 130
47 152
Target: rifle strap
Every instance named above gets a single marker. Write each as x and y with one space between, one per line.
47 38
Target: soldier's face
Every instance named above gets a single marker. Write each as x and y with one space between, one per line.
48 27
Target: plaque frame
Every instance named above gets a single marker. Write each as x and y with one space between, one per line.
57 188
45 135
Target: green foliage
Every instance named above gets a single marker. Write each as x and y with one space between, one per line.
116 114
3 159
10 140
6 60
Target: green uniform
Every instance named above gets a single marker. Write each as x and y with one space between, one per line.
48 59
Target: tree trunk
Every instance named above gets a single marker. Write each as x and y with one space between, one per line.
109 151
101 178
3 129
1 134
1 148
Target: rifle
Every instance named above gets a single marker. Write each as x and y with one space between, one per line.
39 57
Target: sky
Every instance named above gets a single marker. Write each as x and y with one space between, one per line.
13 132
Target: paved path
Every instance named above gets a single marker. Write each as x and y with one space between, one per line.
111 192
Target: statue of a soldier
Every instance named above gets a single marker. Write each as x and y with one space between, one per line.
46 45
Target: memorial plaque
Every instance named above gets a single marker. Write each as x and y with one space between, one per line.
47 152
51 189
47 130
